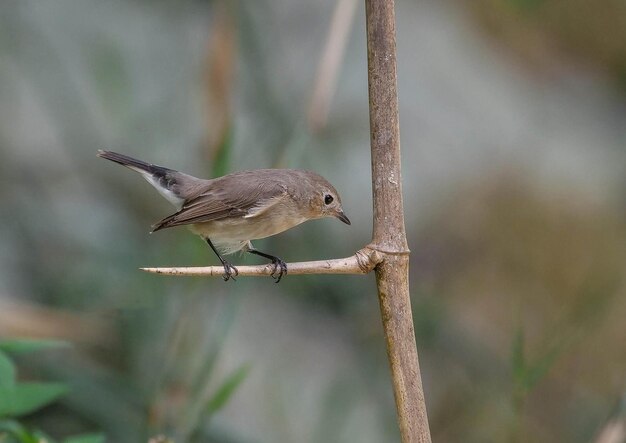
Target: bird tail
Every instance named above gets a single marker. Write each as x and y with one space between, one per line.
171 184
133 163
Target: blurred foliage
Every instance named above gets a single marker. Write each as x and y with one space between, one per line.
517 285
534 287
544 30
18 398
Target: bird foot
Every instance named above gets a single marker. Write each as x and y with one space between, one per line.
229 271
280 269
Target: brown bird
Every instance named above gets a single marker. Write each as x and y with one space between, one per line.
230 211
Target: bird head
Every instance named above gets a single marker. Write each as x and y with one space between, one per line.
326 201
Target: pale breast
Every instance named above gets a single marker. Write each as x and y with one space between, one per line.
244 229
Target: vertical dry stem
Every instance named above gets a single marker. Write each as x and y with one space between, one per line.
330 64
389 236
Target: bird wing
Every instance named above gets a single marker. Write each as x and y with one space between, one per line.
227 197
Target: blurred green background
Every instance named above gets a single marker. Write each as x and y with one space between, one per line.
513 125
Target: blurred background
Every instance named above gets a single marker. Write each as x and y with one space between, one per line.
513 127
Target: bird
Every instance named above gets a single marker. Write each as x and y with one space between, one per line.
229 212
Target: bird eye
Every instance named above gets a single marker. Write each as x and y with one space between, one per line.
328 199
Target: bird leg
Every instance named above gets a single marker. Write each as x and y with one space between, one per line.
280 267
229 270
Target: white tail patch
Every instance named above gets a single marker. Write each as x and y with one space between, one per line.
169 195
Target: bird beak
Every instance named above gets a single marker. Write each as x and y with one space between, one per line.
341 216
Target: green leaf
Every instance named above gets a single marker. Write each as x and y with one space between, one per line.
226 390
24 398
86 438
23 345
38 436
13 428
7 371
540 368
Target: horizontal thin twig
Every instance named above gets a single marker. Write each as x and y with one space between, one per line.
362 262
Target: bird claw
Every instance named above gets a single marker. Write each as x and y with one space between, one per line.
280 269
229 271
